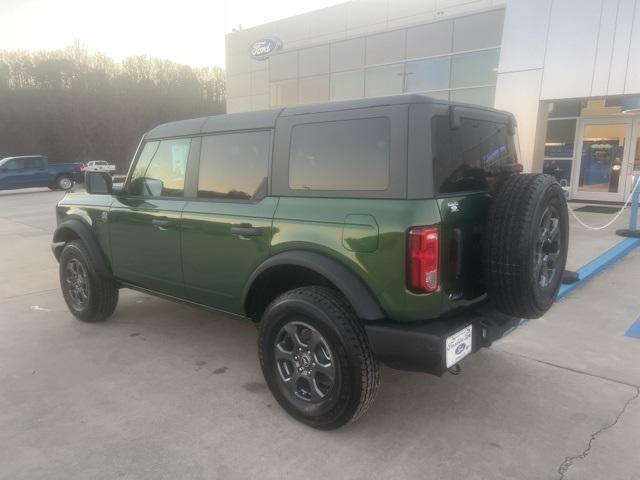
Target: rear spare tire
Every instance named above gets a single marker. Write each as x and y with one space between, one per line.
525 245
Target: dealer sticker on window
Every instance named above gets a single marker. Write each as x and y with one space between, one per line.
458 345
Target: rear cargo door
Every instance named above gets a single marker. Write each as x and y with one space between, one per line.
468 158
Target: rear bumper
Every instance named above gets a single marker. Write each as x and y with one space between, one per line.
422 348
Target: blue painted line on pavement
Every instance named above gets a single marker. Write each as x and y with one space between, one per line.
593 268
634 329
597 265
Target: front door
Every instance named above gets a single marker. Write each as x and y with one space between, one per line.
144 220
12 174
603 161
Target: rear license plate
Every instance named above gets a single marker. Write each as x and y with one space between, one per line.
458 345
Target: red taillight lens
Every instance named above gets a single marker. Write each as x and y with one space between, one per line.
423 259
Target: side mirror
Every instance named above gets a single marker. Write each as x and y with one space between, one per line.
99 183
454 118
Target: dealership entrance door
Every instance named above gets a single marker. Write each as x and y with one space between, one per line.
604 160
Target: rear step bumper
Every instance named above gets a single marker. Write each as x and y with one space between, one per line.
422 348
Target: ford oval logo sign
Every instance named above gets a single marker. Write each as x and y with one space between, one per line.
261 49
460 348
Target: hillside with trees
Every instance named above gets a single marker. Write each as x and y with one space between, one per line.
75 107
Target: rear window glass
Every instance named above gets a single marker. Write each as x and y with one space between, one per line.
469 157
340 155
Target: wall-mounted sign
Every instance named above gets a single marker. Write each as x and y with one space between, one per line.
261 49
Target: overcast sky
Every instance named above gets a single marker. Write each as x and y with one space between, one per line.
185 31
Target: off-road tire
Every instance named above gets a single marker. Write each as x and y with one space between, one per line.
512 238
358 376
61 182
102 292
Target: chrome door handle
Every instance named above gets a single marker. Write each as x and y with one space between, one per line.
245 230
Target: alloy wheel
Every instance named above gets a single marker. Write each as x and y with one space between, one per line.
548 247
305 364
77 283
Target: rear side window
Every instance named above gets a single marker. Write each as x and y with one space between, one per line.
471 156
33 162
234 165
340 155
161 169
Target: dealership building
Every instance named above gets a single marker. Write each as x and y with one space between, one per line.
568 69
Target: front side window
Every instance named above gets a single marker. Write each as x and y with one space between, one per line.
340 155
470 157
161 169
234 165
17 164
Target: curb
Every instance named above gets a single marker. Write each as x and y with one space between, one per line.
593 268
597 265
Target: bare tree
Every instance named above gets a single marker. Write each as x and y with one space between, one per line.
75 106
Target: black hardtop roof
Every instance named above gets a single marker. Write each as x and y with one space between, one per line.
267 118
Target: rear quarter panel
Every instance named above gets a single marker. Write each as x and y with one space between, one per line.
318 225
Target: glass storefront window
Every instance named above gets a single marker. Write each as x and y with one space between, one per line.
284 65
385 47
441 95
560 138
602 157
473 69
425 75
314 61
559 168
636 160
284 93
347 85
347 54
565 108
314 89
484 96
387 80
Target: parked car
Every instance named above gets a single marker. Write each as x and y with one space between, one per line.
98 166
36 171
395 229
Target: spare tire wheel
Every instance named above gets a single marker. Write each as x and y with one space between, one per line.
525 245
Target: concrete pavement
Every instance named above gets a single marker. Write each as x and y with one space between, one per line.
164 391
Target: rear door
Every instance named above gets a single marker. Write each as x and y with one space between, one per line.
226 228
36 172
467 162
144 219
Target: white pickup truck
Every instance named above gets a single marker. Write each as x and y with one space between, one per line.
98 166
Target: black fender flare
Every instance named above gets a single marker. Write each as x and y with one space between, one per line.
351 286
81 230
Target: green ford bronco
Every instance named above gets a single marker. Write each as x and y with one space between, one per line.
394 229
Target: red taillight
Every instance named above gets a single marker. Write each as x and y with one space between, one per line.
423 254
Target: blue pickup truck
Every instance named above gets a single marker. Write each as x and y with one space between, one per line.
36 171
